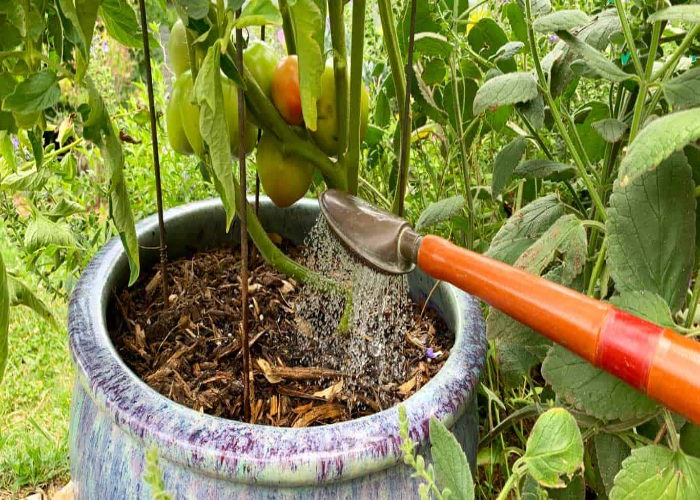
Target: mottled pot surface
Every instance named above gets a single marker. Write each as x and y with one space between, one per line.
241 452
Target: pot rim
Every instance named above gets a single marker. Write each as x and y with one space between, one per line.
255 453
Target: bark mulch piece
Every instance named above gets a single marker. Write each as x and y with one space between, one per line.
191 352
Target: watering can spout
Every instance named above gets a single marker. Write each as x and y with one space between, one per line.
655 360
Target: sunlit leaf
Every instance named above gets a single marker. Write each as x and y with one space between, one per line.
41 232
259 13
451 465
35 93
559 20
510 88
440 211
120 22
21 295
689 14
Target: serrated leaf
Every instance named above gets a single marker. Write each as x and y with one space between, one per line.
4 316
432 44
554 448
26 180
684 90
610 452
212 124
196 9
506 160
310 23
689 14
21 295
610 129
561 20
120 22
595 60
35 93
544 169
510 88
508 51
592 390
524 228
659 473
657 141
451 465
440 211
651 231
645 305
259 13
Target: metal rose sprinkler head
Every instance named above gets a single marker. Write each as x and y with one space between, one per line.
385 241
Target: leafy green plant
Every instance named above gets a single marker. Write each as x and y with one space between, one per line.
153 476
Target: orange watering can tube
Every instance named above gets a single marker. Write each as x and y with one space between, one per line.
653 359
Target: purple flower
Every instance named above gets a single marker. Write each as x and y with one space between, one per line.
430 354
553 39
280 36
105 47
15 142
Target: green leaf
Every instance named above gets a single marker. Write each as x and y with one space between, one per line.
689 14
466 89
4 316
544 169
651 231
610 129
35 93
592 390
440 211
684 90
533 111
594 59
537 7
506 161
524 228
508 51
41 232
554 448
574 490
120 22
26 180
657 141
593 144
20 294
690 439
516 18
451 465
610 452
561 20
196 9
82 14
310 23
65 208
510 88
432 44
486 37
212 124
659 473
646 305
259 13
123 218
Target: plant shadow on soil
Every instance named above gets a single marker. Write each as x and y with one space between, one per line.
190 352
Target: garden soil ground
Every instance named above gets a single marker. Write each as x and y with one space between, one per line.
190 352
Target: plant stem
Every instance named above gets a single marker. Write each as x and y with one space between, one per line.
386 16
557 116
629 39
671 61
513 481
288 27
405 157
340 71
356 58
692 307
638 108
518 415
194 68
156 160
672 432
597 268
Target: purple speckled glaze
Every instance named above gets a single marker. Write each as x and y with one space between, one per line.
116 418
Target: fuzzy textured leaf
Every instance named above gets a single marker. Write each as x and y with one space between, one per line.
35 93
689 14
657 472
560 20
310 23
554 448
524 228
506 160
646 305
533 110
594 59
212 124
651 231
21 295
440 211
610 129
659 140
610 452
451 465
4 316
510 88
537 7
544 169
684 90
508 51
259 13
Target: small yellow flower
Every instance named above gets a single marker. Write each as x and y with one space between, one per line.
477 15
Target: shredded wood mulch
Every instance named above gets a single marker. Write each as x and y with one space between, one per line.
191 351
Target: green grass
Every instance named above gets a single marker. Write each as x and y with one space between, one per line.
35 395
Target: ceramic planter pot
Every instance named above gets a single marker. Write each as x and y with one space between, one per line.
116 418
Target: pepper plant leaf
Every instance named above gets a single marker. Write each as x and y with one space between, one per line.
41 232
196 9
20 294
259 13
37 92
120 22
510 88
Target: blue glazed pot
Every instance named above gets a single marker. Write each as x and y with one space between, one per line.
116 418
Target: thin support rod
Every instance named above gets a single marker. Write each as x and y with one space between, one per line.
257 176
244 232
406 129
156 159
